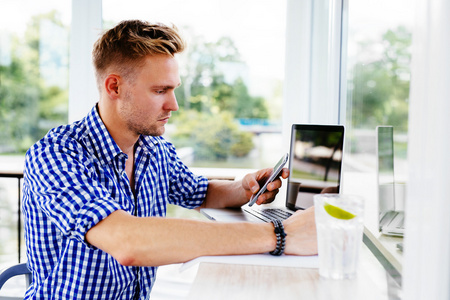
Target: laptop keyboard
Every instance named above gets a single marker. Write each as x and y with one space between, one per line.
401 224
268 214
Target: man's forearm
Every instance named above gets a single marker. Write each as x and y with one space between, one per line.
155 241
223 193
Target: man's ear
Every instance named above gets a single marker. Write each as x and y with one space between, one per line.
112 84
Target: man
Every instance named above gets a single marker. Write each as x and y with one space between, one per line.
95 191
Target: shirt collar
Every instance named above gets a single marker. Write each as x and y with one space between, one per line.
105 145
148 143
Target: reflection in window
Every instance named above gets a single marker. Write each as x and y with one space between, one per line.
378 74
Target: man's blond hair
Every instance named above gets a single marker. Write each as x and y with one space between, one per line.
123 48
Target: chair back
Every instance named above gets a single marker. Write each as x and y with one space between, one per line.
15 270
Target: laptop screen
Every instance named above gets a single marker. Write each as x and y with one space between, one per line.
315 163
385 168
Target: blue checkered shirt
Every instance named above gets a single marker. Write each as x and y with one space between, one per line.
75 177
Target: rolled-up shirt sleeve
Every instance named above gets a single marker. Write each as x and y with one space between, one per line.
60 183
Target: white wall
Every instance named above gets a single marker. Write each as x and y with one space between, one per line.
427 240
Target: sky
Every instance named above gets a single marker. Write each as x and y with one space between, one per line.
256 26
15 13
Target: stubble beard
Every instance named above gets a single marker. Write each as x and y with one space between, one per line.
135 119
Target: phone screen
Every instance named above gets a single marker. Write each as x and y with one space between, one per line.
276 171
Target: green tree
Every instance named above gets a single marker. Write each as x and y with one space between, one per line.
381 87
213 136
29 106
204 86
216 100
236 99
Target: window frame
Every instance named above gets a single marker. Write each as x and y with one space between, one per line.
321 24
85 29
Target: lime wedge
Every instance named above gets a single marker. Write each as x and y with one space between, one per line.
338 212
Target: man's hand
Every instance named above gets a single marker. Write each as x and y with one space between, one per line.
254 181
301 233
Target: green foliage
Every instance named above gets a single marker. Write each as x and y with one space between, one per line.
215 101
380 94
236 99
243 144
29 106
205 88
213 136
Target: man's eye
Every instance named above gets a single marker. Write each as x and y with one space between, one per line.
160 91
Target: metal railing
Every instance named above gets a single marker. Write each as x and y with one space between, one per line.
19 176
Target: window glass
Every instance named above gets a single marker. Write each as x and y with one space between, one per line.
34 56
378 79
232 77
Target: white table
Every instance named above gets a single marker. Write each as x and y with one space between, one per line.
232 281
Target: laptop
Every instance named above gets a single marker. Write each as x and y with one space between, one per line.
315 164
391 217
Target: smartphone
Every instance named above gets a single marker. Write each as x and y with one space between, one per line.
276 171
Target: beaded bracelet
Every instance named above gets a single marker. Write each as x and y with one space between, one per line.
281 237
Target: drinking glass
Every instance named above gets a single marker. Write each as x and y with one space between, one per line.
340 225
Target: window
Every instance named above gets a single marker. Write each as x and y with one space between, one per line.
232 77
34 71
34 56
375 91
378 78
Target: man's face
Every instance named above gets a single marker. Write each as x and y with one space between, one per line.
148 101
